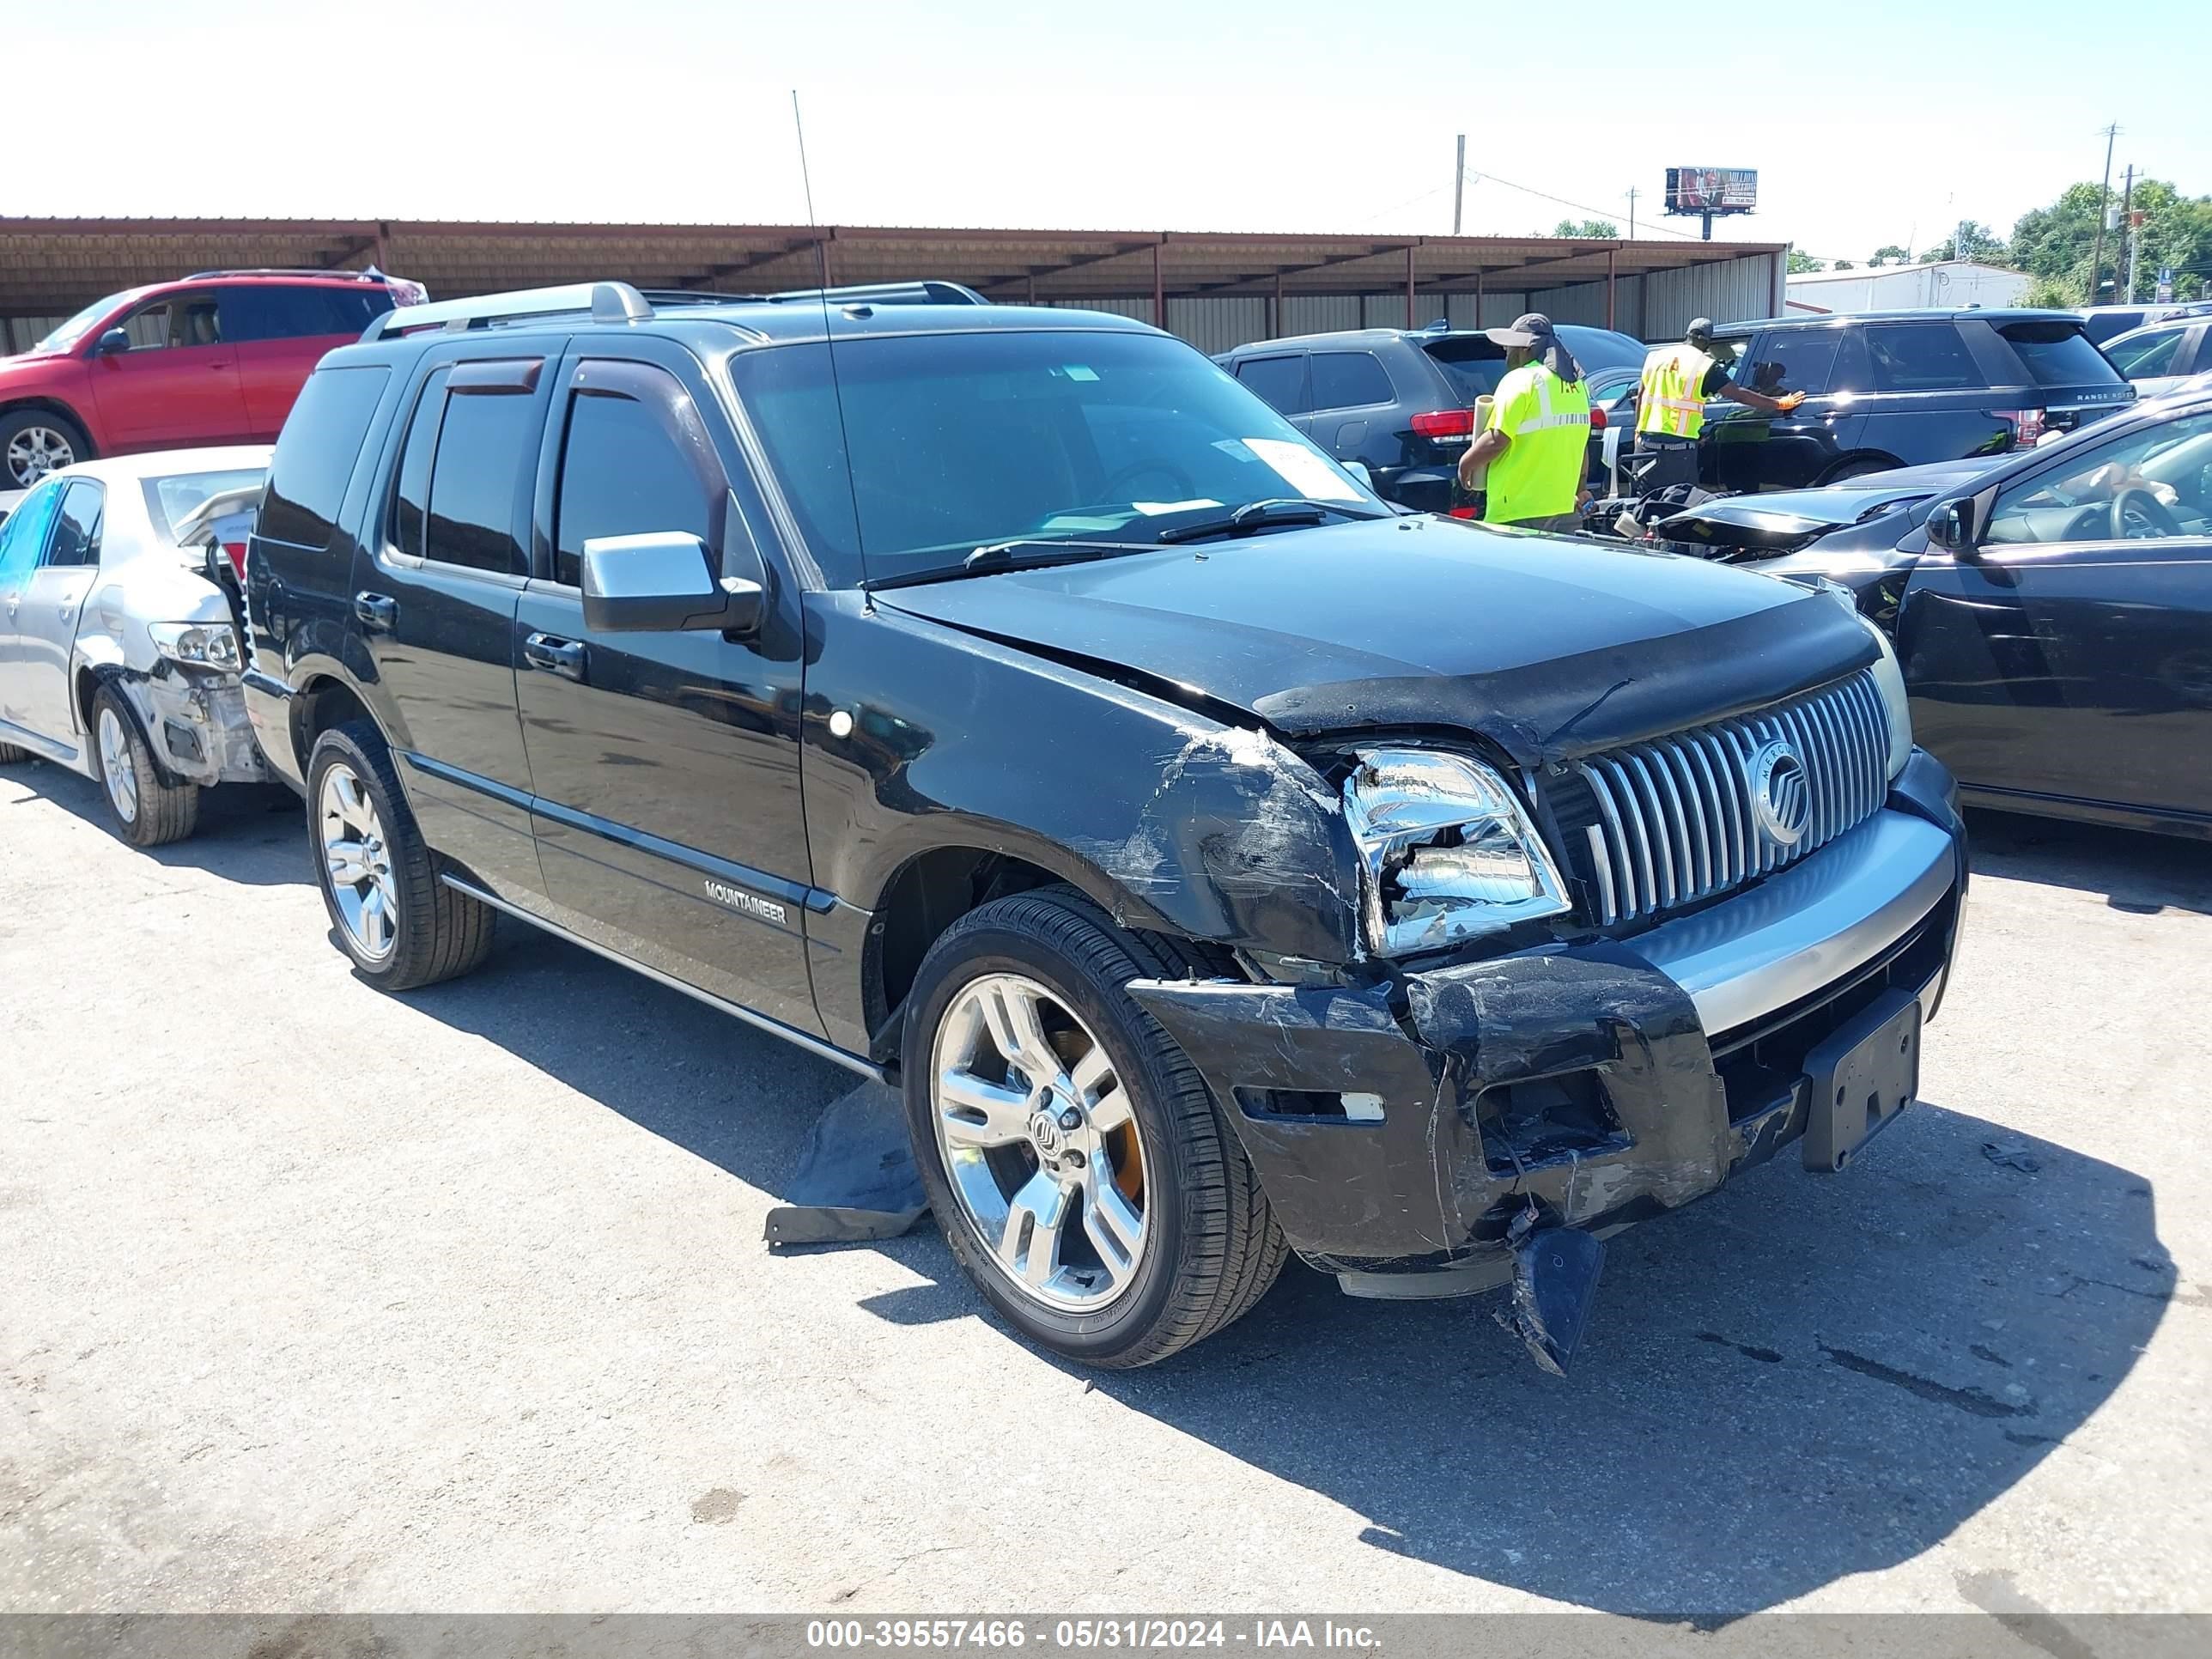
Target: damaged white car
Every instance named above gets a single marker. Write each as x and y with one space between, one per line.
118 657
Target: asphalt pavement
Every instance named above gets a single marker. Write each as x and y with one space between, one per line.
315 1299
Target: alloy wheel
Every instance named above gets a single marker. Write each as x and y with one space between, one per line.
36 451
117 768
1040 1144
358 862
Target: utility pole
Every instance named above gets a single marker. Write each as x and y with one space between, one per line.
2104 201
1458 183
1632 213
2128 227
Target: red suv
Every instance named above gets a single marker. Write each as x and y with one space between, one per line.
213 359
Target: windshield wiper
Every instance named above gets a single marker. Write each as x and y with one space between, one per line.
1033 554
1261 516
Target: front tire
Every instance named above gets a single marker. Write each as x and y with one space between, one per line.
148 812
36 441
1083 1179
402 926
13 754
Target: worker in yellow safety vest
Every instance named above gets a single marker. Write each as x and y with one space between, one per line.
1679 380
1536 445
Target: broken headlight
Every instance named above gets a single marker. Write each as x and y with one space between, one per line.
1449 855
203 645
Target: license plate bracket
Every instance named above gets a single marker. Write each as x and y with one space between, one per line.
1861 1078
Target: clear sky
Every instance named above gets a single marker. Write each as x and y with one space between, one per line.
1869 121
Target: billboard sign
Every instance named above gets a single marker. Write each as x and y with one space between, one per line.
1712 189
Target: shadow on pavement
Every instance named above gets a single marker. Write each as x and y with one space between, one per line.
254 835
2137 871
1800 1379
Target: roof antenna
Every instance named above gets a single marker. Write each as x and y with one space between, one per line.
828 340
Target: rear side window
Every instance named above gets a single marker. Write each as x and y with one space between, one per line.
315 453
1349 380
1796 360
269 311
2059 354
1904 357
76 530
1280 381
636 460
487 439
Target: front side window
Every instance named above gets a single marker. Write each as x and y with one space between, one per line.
315 454
1791 359
1349 380
1280 381
76 528
23 534
487 439
635 461
2152 485
966 440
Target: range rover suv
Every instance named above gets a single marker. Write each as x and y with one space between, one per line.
1008 705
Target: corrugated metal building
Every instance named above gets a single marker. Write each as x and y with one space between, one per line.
1216 289
1899 287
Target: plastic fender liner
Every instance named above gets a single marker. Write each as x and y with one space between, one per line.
1417 1188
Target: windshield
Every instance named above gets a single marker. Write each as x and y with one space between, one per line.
171 501
966 440
74 329
2059 354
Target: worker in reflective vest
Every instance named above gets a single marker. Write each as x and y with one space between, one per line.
1537 443
1678 382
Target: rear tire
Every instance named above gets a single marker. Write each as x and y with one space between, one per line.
148 812
1858 469
36 441
402 926
1209 1247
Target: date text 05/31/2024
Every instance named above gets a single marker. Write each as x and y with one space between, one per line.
1066 1635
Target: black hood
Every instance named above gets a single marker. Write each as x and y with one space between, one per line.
1552 648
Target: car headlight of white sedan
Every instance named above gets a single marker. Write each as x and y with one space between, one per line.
202 644
1449 855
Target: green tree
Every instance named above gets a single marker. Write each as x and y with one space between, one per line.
1980 243
1601 229
1801 262
2055 244
1890 255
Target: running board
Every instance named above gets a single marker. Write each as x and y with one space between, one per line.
812 1045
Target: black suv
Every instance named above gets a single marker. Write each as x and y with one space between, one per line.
1900 388
1401 403
1006 703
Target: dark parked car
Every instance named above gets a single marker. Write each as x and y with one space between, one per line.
1399 402
212 358
1012 706
2052 610
1900 388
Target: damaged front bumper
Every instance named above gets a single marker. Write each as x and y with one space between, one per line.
196 721
1399 1130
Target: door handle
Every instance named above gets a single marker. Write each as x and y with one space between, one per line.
557 656
376 610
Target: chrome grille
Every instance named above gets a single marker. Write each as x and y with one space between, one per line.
1674 821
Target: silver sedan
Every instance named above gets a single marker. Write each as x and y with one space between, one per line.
118 657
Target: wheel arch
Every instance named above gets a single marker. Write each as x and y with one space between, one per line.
935 887
1859 461
49 403
323 701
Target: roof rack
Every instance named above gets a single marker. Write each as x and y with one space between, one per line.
607 302
371 276
927 292
618 302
